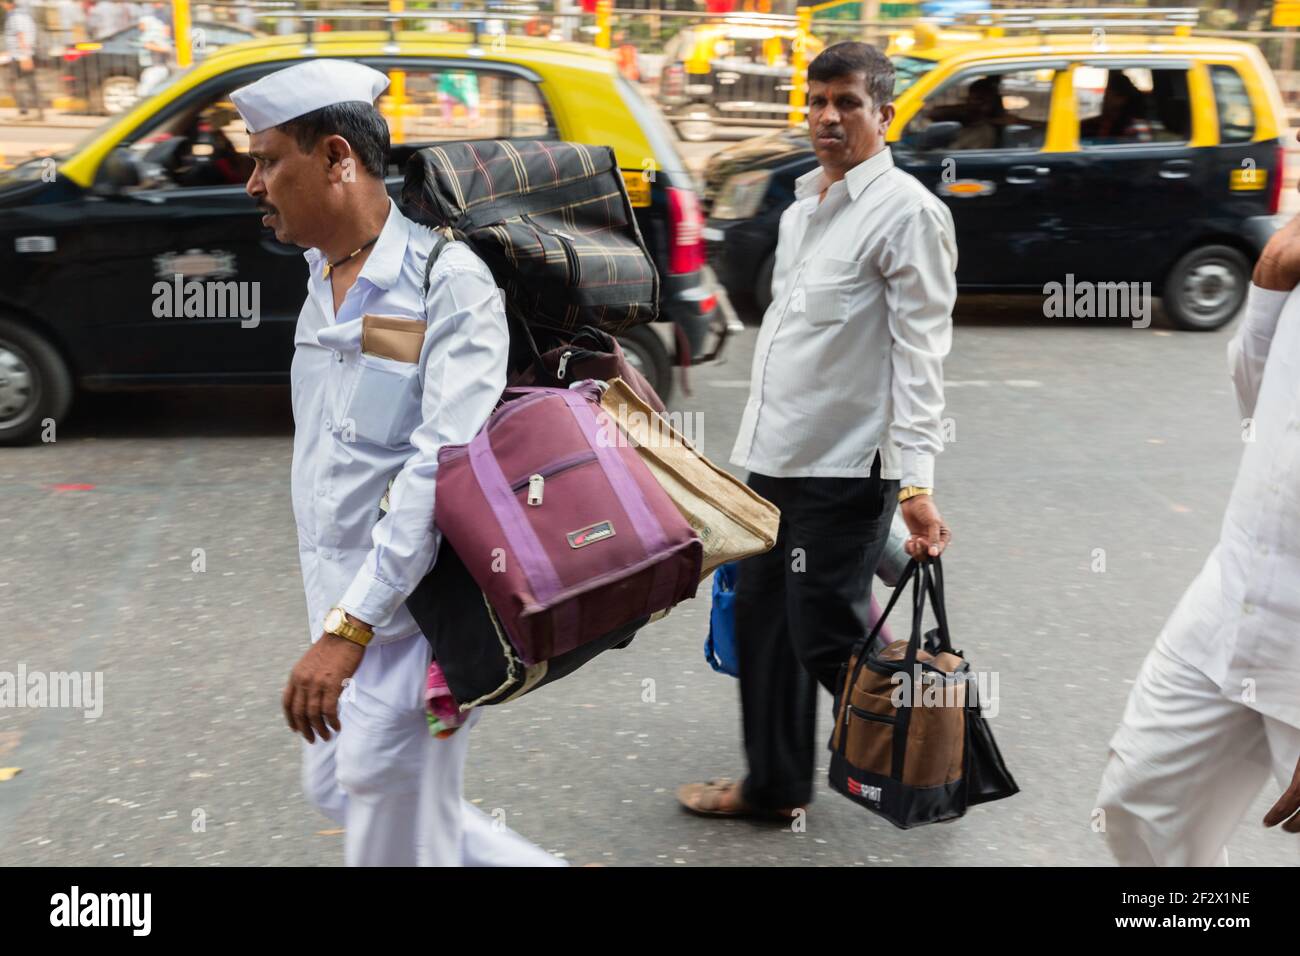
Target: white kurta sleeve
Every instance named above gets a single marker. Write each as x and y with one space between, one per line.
1248 349
919 264
464 363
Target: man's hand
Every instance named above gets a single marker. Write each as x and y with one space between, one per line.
1287 807
929 534
312 695
1279 264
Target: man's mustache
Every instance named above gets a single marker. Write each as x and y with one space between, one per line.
266 207
834 133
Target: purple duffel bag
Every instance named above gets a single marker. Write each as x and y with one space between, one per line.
561 524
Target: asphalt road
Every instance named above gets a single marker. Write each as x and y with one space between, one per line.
1068 438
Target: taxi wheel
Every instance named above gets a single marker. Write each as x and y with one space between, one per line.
697 125
1206 288
35 384
645 352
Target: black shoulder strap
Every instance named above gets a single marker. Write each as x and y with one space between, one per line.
440 241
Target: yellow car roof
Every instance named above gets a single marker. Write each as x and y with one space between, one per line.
970 46
566 69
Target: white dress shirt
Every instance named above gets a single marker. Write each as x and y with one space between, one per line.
362 419
849 360
1239 621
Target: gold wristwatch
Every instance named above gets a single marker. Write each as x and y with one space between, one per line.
337 623
911 491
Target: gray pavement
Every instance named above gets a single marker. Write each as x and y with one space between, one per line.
1069 438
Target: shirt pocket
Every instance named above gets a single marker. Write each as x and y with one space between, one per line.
384 408
829 285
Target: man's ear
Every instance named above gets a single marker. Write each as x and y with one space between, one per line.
339 159
886 117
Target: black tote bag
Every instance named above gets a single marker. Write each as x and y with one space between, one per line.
922 756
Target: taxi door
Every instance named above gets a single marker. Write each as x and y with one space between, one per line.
980 143
230 317
1141 169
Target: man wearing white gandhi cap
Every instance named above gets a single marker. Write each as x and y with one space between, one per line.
362 418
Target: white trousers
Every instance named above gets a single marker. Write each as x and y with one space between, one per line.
393 787
1185 765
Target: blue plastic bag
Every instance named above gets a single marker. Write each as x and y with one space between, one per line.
720 645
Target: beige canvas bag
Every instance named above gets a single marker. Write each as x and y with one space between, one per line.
732 521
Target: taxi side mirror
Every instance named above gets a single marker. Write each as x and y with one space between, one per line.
121 170
939 135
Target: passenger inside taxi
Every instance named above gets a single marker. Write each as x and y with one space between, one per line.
985 119
1122 117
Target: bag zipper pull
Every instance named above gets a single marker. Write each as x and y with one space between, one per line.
564 361
535 483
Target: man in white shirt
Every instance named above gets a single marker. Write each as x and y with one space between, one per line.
20 49
361 419
845 404
1216 706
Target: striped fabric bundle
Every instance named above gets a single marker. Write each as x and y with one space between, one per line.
552 221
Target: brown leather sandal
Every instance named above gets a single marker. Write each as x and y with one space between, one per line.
723 798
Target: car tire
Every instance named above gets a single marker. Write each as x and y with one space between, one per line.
696 125
1206 288
763 285
645 352
35 384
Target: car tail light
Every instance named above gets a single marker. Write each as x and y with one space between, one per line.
708 304
70 55
686 242
1275 187
673 80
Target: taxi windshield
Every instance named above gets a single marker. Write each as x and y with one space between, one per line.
77 139
909 69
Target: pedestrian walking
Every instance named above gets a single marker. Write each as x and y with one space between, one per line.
21 40
842 422
1215 708
366 412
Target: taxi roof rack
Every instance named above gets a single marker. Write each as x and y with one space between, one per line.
1080 20
293 10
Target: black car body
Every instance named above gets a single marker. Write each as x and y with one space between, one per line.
85 240
1184 200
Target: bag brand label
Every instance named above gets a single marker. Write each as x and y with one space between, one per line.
864 790
591 534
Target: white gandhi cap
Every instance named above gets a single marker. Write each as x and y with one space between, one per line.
289 93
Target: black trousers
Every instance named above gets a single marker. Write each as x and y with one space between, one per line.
23 83
799 610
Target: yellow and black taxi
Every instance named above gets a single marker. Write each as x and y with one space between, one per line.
733 72
1101 154
87 236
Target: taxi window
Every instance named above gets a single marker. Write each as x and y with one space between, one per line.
1236 116
1122 107
440 104
909 69
204 145
989 110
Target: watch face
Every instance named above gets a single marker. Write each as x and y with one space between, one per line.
333 619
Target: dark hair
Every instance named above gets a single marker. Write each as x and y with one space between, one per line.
843 59
359 123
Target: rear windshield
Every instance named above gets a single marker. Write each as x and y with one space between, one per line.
1236 116
909 69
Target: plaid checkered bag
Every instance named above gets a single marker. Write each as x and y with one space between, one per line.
552 221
